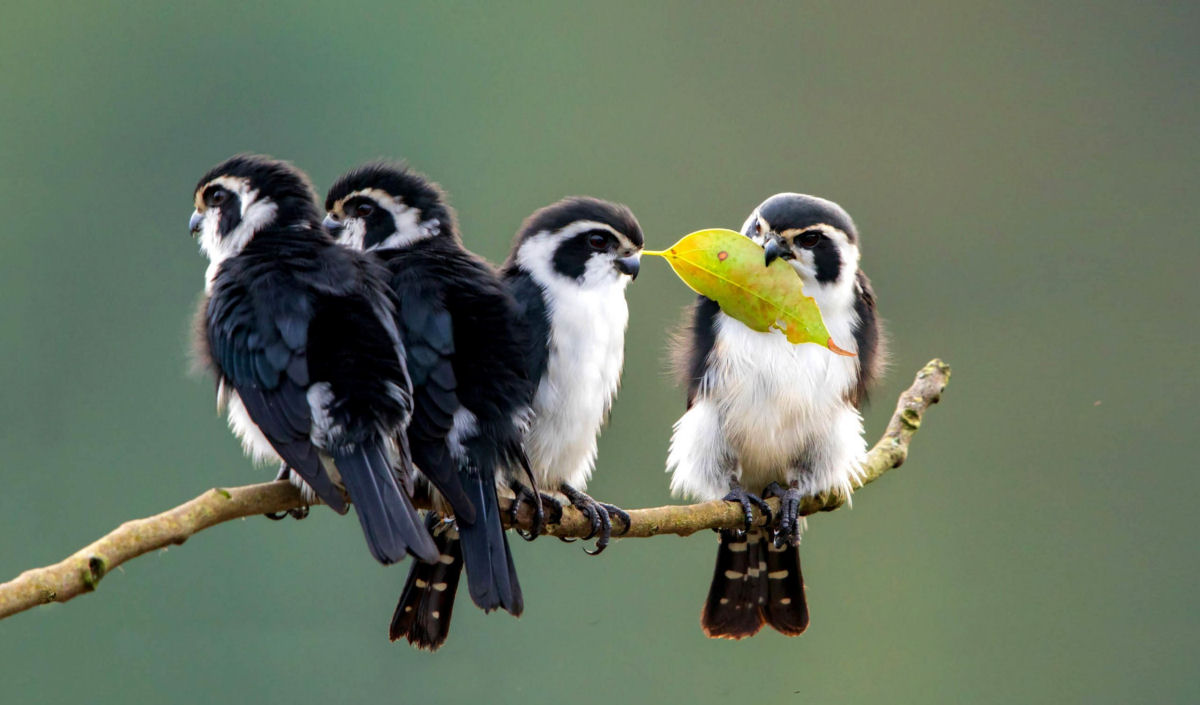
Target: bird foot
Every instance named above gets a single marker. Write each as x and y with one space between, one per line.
540 503
295 513
747 500
599 514
789 513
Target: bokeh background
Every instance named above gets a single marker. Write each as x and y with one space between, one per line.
1025 179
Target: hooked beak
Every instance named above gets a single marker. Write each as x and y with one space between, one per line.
630 265
775 249
333 225
194 222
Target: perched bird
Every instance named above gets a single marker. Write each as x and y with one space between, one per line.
568 269
466 346
767 415
300 335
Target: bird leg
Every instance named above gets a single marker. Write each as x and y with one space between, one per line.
598 513
296 512
539 503
746 500
789 512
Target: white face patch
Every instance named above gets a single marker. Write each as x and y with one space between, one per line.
409 226
255 215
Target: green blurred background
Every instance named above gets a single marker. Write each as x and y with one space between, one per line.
1025 179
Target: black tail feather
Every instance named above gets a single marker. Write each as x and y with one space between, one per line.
427 603
388 518
732 608
433 458
744 595
786 609
491 576
303 459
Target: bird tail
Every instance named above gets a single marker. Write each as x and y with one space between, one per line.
491 575
423 613
389 521
786 609
754 583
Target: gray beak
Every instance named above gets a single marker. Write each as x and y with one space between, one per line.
774 250
629 265
194 222
333 225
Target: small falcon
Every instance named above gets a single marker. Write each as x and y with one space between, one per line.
466 345
767 416
301 338
568 269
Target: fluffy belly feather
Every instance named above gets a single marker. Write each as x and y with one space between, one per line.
783 408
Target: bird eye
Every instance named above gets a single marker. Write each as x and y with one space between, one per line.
217 197
363 210
808 239
598 241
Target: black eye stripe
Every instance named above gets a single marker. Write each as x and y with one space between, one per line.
827 260
572 254
215 194
352 204
599 239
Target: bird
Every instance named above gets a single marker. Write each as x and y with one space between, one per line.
466 345
769 417
568 269
300 336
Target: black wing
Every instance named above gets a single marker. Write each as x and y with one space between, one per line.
262 354
869 336
531 306
427 330
696 343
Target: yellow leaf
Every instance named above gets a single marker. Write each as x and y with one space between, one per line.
728 268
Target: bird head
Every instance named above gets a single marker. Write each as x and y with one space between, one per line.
247 194
815 236
386 206
580 239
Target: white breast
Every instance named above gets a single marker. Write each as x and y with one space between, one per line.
776 410
587 349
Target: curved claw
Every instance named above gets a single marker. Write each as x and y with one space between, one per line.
615 511
597 514
524 494
789 514
294 512
747 500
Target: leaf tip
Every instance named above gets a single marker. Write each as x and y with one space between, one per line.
833 347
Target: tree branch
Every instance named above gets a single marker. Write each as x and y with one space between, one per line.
82 571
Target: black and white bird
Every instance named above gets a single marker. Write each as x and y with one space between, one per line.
568 269
767 416
301 337
466 345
